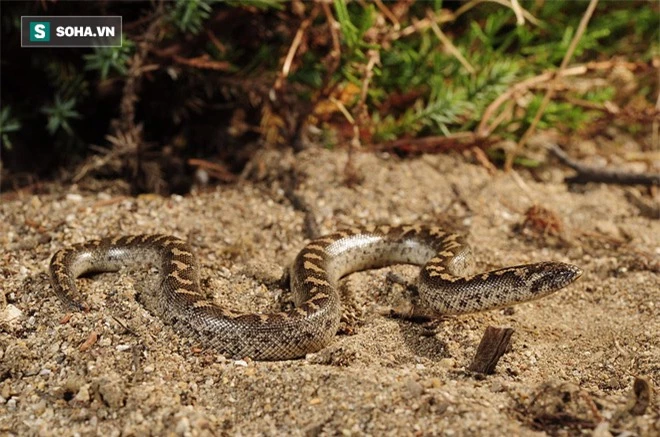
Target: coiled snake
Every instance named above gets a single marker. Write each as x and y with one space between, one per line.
443 286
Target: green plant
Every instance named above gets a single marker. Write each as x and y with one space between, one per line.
105 59
59 114
8 124
189 15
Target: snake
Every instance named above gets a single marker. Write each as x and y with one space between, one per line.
445 284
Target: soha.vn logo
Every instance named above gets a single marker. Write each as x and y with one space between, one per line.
39 31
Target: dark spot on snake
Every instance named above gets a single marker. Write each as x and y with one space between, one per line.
251 319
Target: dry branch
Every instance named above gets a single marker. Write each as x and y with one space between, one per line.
587 173
493 345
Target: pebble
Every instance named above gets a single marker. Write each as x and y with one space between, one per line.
183 426
447 363
112 393
414 388
11 314
608 228
83 394
74 197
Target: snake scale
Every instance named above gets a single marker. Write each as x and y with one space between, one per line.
444 284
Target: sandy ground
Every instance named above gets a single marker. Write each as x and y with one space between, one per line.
118 370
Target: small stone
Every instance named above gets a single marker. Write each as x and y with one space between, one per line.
447 363
241 363
183 426
112 393
602 430
74 197
83 394
497 387
414 388
608 228
11 314
39 408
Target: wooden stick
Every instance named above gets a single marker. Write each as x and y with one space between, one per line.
493 345
593 174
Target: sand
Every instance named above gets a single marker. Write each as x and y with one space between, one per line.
119 370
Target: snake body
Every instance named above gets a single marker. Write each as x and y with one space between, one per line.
444 285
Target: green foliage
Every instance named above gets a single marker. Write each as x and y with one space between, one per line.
189 15
260 4
415 82
59 114
8 124
350 32
105 59
502 54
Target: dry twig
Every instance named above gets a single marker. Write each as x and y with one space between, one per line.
494 343
592 174
508 164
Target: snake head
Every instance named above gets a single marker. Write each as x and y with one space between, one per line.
546 277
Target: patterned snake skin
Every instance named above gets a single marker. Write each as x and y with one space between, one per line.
444 287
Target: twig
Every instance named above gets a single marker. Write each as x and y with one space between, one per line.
293 49
217 171
508 164
434 144
351 175
655 132
344 111
485 130
449 45
482 159
493 345
390 16
518 10
203 62
469 5
593 174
